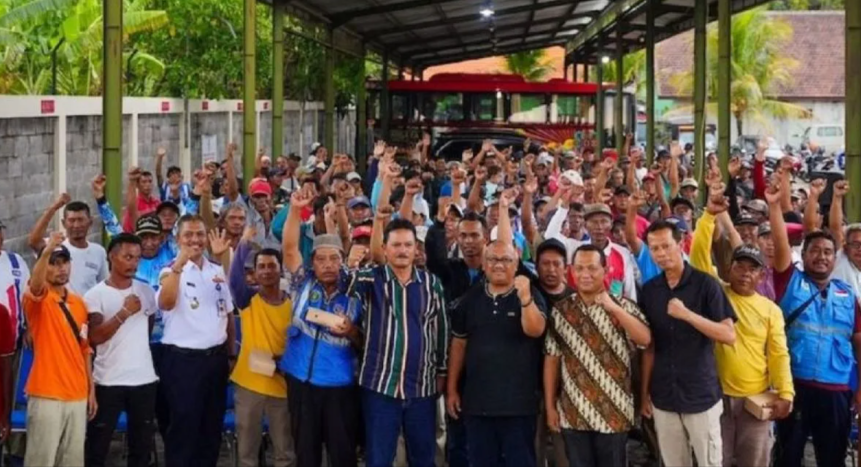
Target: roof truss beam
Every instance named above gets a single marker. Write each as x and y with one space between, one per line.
490 44
485 53
342 18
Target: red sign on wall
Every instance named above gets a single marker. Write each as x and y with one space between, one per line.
48 107
239 107
205 105
165 106
266 105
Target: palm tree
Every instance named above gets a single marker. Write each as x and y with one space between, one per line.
758 68
531 64
633 71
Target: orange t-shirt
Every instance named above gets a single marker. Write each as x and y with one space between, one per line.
59 368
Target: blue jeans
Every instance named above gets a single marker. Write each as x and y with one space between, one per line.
501 440
385 417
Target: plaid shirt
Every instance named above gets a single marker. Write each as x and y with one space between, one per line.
406 332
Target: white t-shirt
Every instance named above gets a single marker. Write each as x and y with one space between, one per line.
124 359
89 267
14 275
845 271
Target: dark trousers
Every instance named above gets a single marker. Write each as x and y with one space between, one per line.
825 415
455 443
588 448
195 386
323 416
501 440
385 418
139 404
162 415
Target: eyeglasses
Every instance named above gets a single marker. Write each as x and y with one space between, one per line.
500 260
853 245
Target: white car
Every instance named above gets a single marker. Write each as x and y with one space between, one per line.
830 137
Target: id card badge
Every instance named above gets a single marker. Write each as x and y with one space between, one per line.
222 307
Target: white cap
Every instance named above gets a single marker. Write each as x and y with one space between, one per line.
353 176
544 158
420 206
573 177
315 145
421 233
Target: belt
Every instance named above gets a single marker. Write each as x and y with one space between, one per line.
213 351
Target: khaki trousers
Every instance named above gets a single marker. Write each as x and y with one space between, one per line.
747 441
678 433
56 431
250 409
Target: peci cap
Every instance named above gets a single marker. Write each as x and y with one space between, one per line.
148 225
554 245
260 187
327 240
596 209
764 229
749 253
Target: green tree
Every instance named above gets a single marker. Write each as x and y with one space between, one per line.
807 5
633 71
531 64
759 66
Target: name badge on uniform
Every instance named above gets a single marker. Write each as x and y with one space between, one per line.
195 303
222 307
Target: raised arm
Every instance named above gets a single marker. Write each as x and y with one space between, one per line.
36 239
604 168
635 201
239 288
203 189
231 185
106 212
134 177
292 230
811 211
835 216
458 177
159 162
474 202
168 292
530 230
503 226
759 184
412 188
782 249
39 277
381 218
675 154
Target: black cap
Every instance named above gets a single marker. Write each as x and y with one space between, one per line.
552 244
622 189
148 225
663 154
59 251
764 229
750 253
168 205
745 218
682 201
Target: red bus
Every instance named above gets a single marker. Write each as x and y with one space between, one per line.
462 106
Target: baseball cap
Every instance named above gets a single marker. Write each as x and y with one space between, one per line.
648 176
764 229
544 158
689 182
421 207
749 253
168 205
148 225
552 244
680 223
756 205
681 201
595 209
457 208
277 172
361 231
361 200
260 187
59 251
622 189
327 240
315 145
745 218
573 177
353 176
421 233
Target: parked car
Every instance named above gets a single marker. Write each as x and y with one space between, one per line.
829 137
451 145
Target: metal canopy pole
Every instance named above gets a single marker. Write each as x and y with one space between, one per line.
724 76
700 15
618 103
384 97
112 100
249 85
361 151
853 110
277 79
599 106
565 69
574 70
330 91
650 82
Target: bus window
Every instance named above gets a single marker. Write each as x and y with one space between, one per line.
443 107
571 109
528 108
482 107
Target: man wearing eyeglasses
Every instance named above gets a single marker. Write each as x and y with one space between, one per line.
496 346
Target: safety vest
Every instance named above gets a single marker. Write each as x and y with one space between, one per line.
820 339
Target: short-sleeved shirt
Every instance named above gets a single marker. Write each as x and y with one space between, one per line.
14 276
596 365
502 365
125 358
198 320
59 369
684 378
89 266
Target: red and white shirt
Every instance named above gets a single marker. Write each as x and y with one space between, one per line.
14 276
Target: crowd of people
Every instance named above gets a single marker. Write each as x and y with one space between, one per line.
516 307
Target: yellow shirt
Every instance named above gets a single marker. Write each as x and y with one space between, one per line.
264 327
759 360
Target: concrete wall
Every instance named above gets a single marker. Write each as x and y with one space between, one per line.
28 143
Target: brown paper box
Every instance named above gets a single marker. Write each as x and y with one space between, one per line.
261 362
757 405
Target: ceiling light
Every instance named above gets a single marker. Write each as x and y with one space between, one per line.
486 12
605 59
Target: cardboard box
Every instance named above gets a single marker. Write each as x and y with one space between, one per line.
760 405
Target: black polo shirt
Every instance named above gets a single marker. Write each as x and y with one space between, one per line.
502 366
684 379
